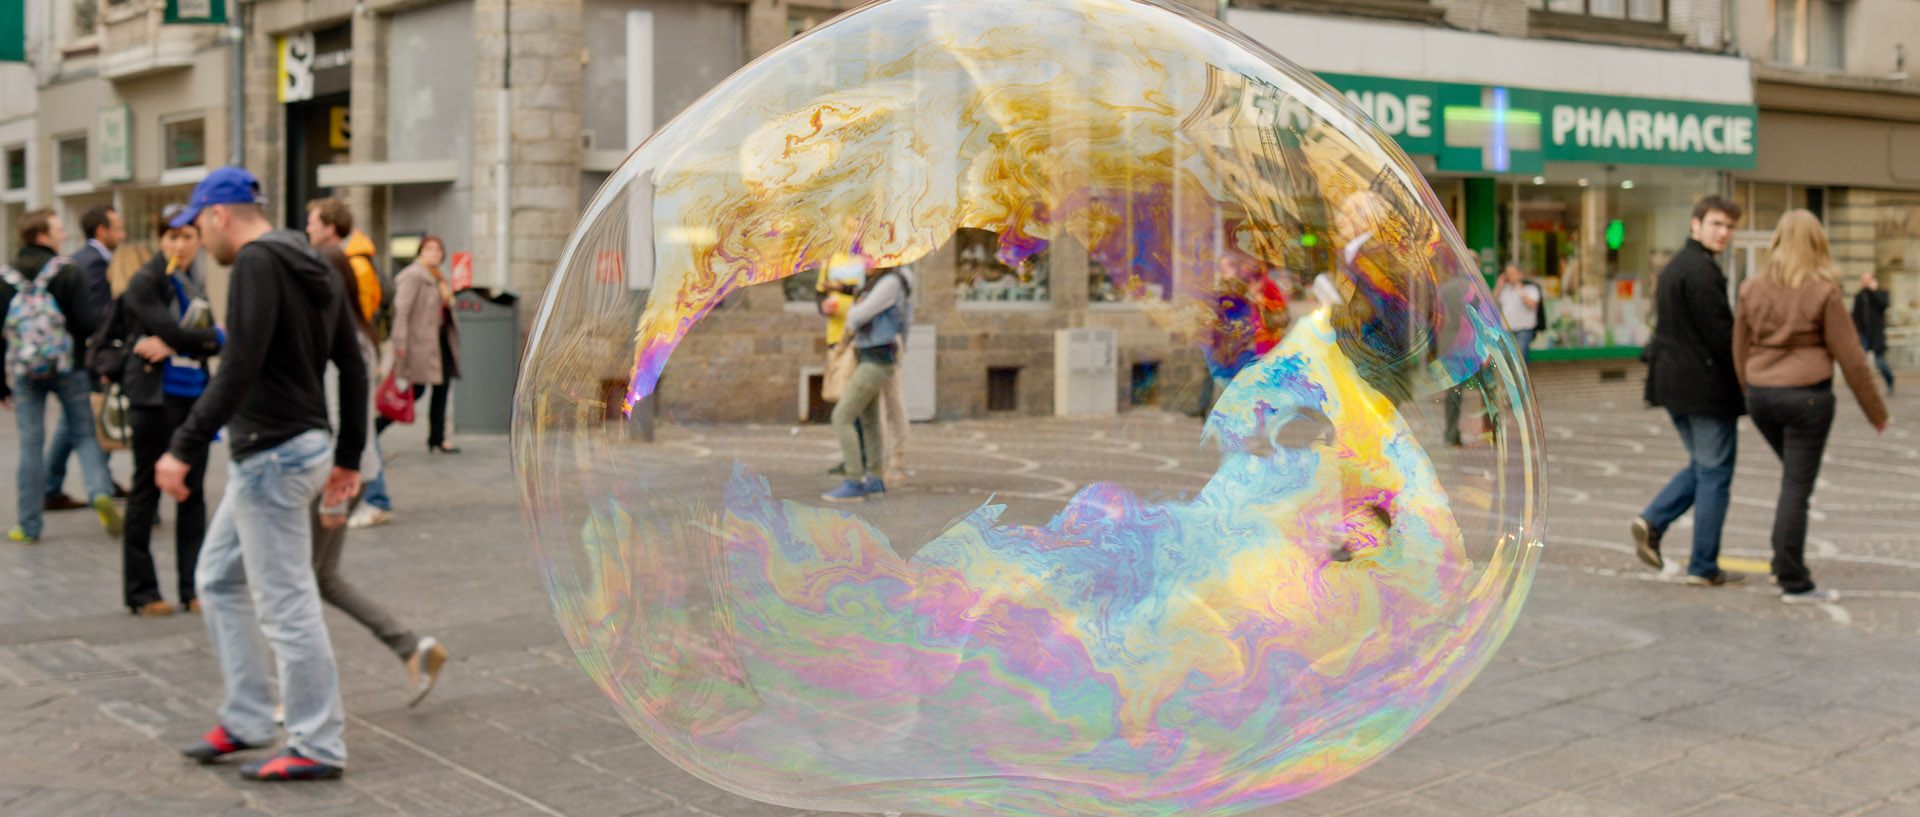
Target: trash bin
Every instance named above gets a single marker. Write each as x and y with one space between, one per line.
489 362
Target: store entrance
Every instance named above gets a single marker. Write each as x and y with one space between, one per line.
316 135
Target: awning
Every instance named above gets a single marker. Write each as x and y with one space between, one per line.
381 174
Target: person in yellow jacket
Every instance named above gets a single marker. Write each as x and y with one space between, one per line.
330 222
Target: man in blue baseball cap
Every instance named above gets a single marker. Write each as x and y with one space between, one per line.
287 317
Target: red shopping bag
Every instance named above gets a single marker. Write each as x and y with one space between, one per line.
394 399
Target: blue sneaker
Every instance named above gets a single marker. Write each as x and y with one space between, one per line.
849 491
874 487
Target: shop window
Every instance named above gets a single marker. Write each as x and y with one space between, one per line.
1640 11
16 178
1810 33
1003 388
70 160
982 273
1765 203
185 143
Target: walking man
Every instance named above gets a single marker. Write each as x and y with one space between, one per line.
48 322
1870 322
1692 376
287 317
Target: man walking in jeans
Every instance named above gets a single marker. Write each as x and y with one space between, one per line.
287 317
1692 376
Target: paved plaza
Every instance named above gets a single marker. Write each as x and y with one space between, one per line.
1621 691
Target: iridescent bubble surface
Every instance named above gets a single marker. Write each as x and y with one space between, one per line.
1137 614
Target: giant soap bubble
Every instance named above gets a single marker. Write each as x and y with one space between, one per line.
1187 534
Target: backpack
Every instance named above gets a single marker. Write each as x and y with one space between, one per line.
1539 307
38 345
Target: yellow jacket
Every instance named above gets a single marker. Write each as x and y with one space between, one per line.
360 252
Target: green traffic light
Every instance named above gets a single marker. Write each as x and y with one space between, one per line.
1616 234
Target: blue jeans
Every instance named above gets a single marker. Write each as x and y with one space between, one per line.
256 575
377 489
1704 485
1880 361
1523 338
30 417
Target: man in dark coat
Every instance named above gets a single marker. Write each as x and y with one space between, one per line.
1691 375
1870 321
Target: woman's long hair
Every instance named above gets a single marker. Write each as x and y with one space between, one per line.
1799 251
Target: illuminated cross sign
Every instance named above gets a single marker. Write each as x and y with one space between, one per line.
1496 129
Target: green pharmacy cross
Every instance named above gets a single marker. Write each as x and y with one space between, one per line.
1492 133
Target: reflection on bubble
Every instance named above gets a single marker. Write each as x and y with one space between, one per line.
1221 614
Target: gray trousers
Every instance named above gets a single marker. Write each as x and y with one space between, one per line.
327 544
862 403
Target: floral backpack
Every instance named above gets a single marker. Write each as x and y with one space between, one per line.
38 345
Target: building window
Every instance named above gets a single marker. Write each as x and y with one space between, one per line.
70 156
1810 33
1765 203
1641 11
186 143
982 273
16 168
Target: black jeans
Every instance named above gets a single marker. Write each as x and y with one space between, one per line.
327 545
153 428
1795 422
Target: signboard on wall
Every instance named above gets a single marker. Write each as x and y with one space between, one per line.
191 12
462 271
314 63
13 30
113 129
1486 128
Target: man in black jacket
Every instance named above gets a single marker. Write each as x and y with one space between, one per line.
287 317
1870 321
1692 376
41 233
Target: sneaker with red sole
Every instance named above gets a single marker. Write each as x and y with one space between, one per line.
215 744
289 764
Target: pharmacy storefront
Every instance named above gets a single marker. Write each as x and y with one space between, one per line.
1590 194
1578 161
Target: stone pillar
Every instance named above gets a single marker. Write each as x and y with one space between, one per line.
766 26
266 125
1853 220
369 120
548 51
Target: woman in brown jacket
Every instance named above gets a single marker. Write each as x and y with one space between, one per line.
1791 326
426 336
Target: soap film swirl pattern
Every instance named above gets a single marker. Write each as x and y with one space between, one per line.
1306 611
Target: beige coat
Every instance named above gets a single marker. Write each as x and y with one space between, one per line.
416 328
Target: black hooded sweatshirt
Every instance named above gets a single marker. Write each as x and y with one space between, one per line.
286 317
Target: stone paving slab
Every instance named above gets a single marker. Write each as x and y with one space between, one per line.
1621 692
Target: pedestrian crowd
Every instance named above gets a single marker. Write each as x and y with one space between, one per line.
286 376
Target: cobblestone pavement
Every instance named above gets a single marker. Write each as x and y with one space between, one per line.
1621 692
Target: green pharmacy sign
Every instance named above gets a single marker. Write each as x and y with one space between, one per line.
13 30
1498 129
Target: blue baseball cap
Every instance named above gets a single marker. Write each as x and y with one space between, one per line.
228 185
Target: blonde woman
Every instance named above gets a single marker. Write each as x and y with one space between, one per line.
1791 326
